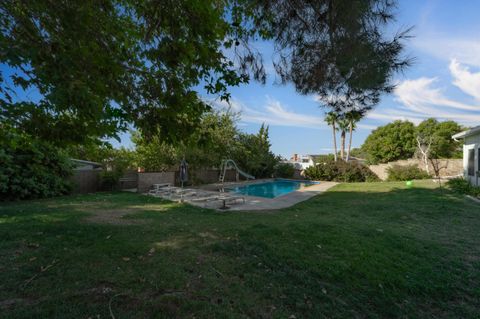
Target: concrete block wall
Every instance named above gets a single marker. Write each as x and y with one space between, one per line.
146 180
453 167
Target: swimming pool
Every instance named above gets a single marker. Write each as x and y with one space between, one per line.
272 189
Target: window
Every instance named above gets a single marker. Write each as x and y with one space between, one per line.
478 160
471 162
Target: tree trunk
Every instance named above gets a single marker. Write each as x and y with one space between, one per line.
350 141
334 141
342 150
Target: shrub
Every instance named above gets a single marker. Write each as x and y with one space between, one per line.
341 171
460 185
109 180
406 173
284 170
31 168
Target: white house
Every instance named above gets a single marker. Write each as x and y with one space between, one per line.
302 162
471 156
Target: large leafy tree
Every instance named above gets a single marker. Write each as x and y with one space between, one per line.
214 139
439 136
253 153
400 139
391 142
96 66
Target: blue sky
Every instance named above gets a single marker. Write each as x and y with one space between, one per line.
444 83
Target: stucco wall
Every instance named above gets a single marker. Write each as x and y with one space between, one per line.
453 167
146 180
85 181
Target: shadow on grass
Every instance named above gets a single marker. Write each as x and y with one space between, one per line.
356 251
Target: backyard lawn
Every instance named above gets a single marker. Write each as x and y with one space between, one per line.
360 250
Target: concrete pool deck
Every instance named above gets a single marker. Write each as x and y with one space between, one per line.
263 203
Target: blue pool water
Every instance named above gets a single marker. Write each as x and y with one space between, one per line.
271 189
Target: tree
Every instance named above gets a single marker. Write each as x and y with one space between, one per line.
31 168
331 119
98 66
343 125
337 49
353 117
440 133
253 153
424 144
391 142
214 139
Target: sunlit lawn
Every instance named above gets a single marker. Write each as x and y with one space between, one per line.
359 250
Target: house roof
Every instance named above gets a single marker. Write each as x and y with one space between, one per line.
473 131
83 162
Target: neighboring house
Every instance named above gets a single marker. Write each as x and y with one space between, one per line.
471 154
81 165
302 162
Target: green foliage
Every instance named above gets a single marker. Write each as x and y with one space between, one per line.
339 50
323 158
284 170
398 140
462 186
440 133
340 171
215 139
406 173
31 168
358 152
112 159
253 154
109 180
391 142
99 65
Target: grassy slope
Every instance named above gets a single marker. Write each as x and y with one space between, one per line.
360 250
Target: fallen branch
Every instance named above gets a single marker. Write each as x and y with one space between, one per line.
219 273
110 305
42 270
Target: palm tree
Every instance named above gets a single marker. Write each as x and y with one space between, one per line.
343 125
352 117
331 119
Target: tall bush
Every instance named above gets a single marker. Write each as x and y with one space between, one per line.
284 170
31 168
462 186
406 173
340 171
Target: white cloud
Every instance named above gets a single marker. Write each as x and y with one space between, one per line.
274 113
423 98
447 48
465 80
416 94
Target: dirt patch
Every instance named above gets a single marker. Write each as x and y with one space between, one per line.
11 303
114 216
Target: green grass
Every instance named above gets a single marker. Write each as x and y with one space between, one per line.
359 250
